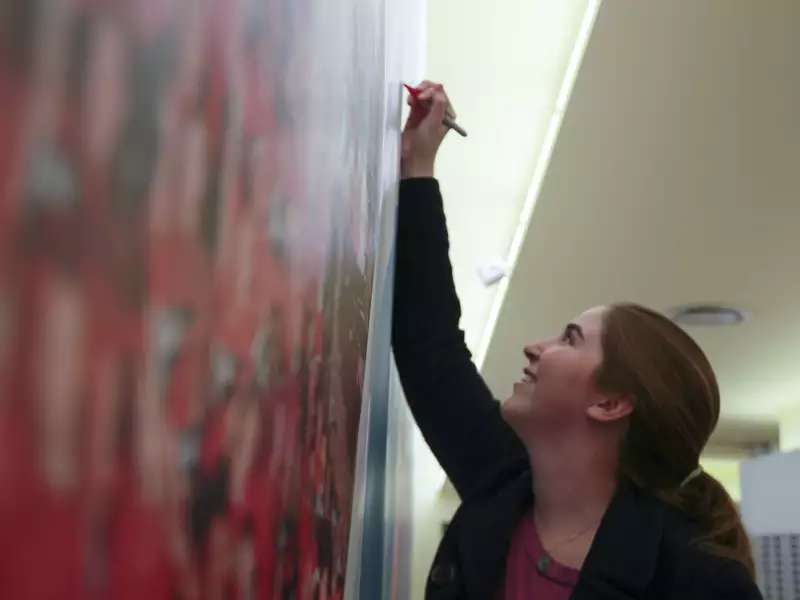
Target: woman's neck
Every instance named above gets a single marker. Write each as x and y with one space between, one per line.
573 485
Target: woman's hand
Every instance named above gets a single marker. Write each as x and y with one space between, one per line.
424 132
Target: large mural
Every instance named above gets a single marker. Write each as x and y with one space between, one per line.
190 193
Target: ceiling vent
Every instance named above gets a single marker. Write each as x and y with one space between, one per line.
707 315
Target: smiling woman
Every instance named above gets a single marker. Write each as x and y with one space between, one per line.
585 484
559 378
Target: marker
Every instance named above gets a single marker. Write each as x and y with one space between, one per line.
449 118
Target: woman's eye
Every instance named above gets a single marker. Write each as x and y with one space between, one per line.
567 337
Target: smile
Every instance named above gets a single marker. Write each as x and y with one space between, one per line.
528 376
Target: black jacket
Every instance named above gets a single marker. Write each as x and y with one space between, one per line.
642 548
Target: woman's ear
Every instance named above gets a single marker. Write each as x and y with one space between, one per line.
611 408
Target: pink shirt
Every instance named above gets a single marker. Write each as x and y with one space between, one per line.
524 580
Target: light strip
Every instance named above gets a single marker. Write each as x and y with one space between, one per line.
553 127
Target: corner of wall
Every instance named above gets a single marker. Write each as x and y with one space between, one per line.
790 427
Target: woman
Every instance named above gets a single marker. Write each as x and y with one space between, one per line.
585 483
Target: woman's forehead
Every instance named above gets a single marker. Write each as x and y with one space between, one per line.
591 321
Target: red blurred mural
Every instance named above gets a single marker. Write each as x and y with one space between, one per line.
186 258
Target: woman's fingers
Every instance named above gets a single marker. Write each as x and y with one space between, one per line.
438 109
424 130
431 104
428 92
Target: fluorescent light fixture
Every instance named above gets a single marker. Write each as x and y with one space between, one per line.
567 84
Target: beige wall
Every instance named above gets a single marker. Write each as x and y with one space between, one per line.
726 471
433 508
790 428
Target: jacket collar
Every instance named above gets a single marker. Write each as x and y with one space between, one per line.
620 564
624 555
487 525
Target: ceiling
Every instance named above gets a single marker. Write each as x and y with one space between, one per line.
502 64
671 180
674 179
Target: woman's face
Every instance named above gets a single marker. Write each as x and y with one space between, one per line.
557 385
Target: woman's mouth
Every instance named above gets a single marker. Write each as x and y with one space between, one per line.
528 376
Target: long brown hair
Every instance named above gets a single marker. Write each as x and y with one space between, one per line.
676 408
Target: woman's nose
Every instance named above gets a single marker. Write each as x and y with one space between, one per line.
532 352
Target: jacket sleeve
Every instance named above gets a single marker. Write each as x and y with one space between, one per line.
451 404
731 582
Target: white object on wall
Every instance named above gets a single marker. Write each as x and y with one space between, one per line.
771 514
771 494
492 272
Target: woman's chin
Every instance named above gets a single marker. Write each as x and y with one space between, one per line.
516 408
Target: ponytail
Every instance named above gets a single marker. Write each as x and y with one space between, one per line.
704 500
676 408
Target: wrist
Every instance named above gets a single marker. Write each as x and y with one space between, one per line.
416 170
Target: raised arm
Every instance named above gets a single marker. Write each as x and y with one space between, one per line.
449 400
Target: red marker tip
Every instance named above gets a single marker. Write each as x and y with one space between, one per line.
412 90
